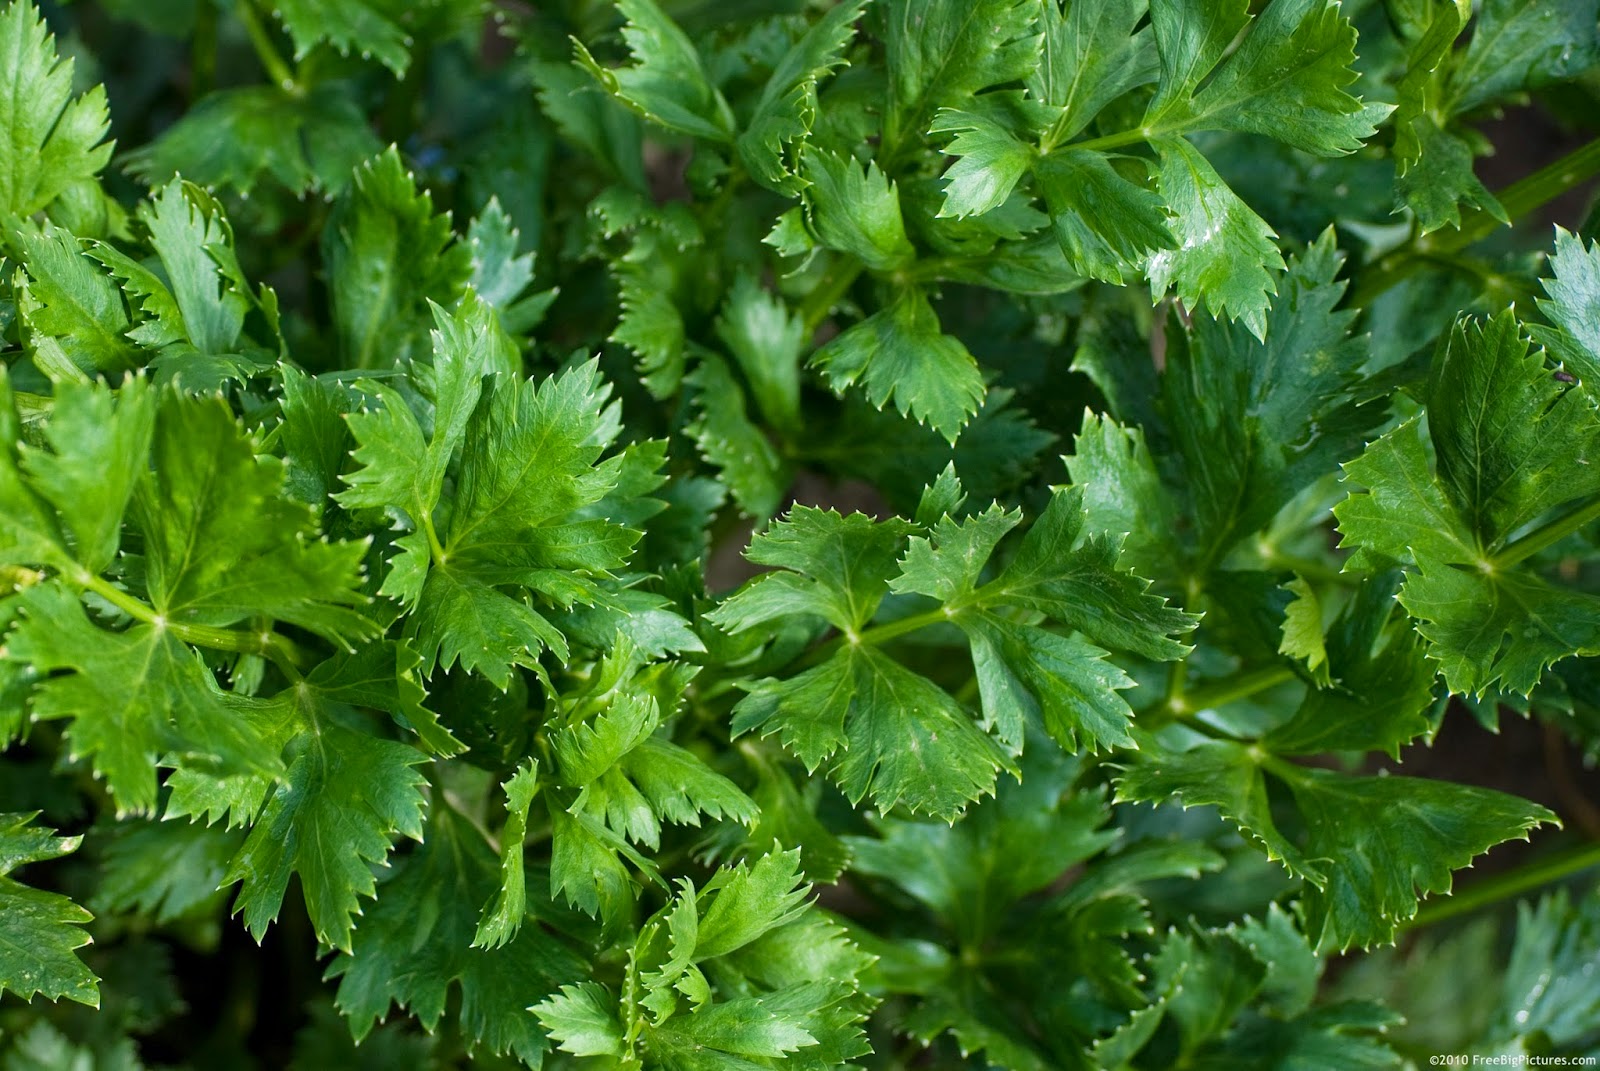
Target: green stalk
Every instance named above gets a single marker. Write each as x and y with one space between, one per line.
836 283
1118 140
1243 686
1548 534
267 52
1504 886
203 52
876 635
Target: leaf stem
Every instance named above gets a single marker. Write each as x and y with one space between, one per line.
267 52
836 283
1232 689
1121 138
1506 885
1518 199
203 53
877 635
1548 534
435 547
283 651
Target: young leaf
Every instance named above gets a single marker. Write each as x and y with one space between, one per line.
384 231
1572 306
856 210
53 140
900 354
771 141
502 917
990 161
942 51
666 82
75 319
1286 79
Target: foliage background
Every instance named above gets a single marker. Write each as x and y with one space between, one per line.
355 166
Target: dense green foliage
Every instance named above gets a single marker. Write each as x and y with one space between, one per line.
385 411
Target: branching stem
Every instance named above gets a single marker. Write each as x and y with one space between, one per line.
283 651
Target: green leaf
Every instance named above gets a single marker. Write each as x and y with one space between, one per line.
222 544
205 298
95 447
1498 630
1434 166
1302 630
900 354
771 142
39 931
1107 225
582 1019
499 275
845 560
132 697
1510 441
53 140
529 464
239 138
1442 180
899 737
1373 845
1061 682
756 476
164 870
973 874
1523 44
940 52
1253 436
502 918
1374 690
1403 515
856 210
990 161
384 231
1548 995
314 434
1091 56
666 82
585 869
1573 308
1389 838
652 328
75 318
383 676
460 619
1225 257
766 341
344 795
365 26
1071 575
416 943
746 902
1122 492
1286 79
